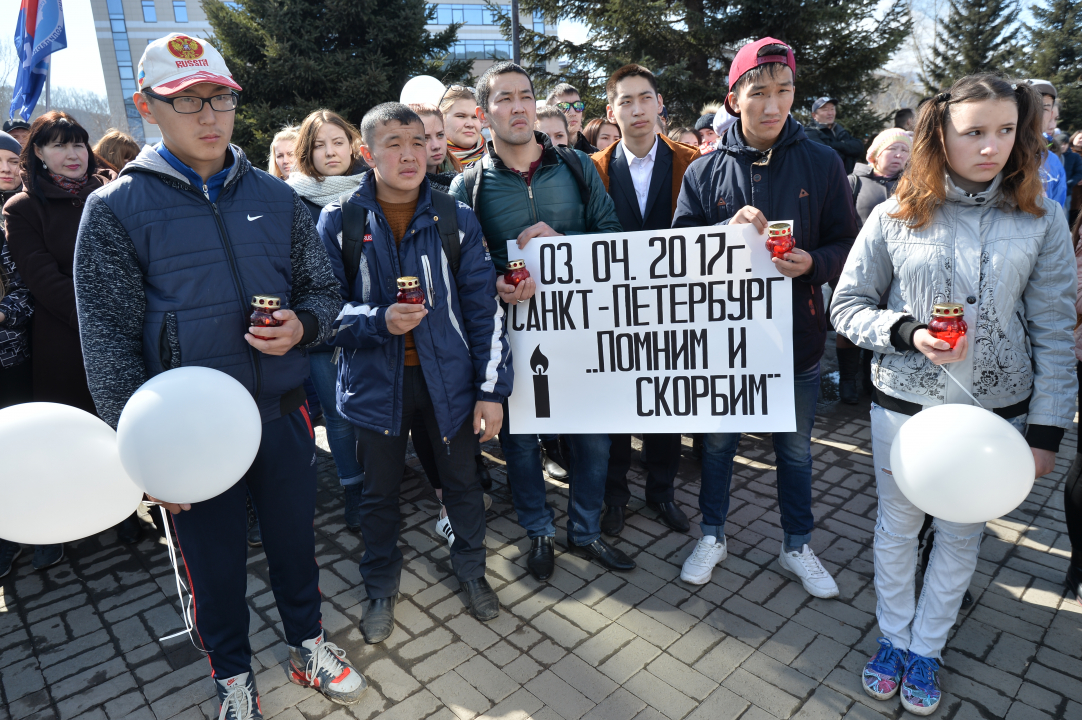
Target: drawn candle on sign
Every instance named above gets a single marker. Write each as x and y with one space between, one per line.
540 364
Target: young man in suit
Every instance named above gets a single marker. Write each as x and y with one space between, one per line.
642 174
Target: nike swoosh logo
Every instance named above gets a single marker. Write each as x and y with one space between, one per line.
250 218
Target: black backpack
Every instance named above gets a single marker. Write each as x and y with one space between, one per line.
355 222
472 176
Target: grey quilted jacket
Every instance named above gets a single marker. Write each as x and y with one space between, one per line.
1015 276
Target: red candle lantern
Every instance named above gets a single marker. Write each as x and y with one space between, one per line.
516 272
263 307
409 291
947 323
780 239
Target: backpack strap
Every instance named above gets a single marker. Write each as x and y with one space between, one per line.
354 224
574 163
445 208
854 185
471 176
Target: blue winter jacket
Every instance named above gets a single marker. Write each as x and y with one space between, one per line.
462 344
796 180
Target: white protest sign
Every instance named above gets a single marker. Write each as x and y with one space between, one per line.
685 330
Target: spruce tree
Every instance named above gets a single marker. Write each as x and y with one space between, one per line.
1054 43
295 56
977 36
689 45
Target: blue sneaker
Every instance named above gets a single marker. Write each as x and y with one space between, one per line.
920 685
883 674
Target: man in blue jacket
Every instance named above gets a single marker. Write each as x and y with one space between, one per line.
446 363
167 260
766 168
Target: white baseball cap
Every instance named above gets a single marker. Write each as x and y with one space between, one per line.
178 61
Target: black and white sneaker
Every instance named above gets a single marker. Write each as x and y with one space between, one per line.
238 698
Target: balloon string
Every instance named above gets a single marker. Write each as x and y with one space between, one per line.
185 606
968 394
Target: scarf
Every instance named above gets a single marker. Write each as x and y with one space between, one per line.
67 184
468 156
325 191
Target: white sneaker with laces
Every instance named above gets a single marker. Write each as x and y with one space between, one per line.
700 564
809 571
323 666
443 529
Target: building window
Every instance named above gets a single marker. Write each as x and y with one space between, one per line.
481 50
149 14
125 69
447 13
539 23
180 11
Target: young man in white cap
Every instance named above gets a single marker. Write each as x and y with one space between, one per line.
167 261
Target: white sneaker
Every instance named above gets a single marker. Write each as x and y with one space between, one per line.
700 564
811 573
443 529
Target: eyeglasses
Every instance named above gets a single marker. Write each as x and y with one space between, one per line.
192 105
577 106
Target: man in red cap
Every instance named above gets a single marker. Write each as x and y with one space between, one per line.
765 167
167 260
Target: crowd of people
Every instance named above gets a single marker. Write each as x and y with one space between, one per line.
120 262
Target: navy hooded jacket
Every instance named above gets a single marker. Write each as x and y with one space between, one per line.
462 344
797 180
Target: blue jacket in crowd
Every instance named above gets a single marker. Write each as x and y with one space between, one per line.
1054 178
462 345
796 180
165 274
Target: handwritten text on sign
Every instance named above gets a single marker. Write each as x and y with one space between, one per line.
684 330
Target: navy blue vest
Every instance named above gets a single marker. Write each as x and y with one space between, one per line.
202 263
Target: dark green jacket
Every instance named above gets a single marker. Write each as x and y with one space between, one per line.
507 206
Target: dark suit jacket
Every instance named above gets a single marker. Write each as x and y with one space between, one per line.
659 208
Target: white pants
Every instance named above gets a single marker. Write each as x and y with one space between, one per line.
918 625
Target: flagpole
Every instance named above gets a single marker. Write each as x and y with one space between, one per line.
48 83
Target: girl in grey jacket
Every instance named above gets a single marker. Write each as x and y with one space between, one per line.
968 224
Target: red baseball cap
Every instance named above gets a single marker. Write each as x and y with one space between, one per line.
755 54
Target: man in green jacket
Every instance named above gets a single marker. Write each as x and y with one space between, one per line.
525 188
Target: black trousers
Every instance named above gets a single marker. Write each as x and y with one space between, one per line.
1072 503
426 454
384 459
282 483
15 385
660 455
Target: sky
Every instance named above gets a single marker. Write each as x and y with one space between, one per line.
77 66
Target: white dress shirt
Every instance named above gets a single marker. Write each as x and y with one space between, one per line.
641 170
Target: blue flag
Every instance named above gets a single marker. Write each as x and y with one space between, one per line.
39 32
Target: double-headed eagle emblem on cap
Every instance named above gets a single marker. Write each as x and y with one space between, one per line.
185 48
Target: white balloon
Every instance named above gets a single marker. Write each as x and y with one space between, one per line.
189 434
61 477
962 463
422 89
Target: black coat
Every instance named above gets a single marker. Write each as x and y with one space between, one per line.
796 179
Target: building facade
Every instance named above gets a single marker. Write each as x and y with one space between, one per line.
125 27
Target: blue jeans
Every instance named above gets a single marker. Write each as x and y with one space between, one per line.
589 465
341 435
793 452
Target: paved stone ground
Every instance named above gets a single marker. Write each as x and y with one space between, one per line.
79 639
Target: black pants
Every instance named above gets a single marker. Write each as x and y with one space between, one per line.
660 455
16 385
282 481
1072 503
426 453
384 459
